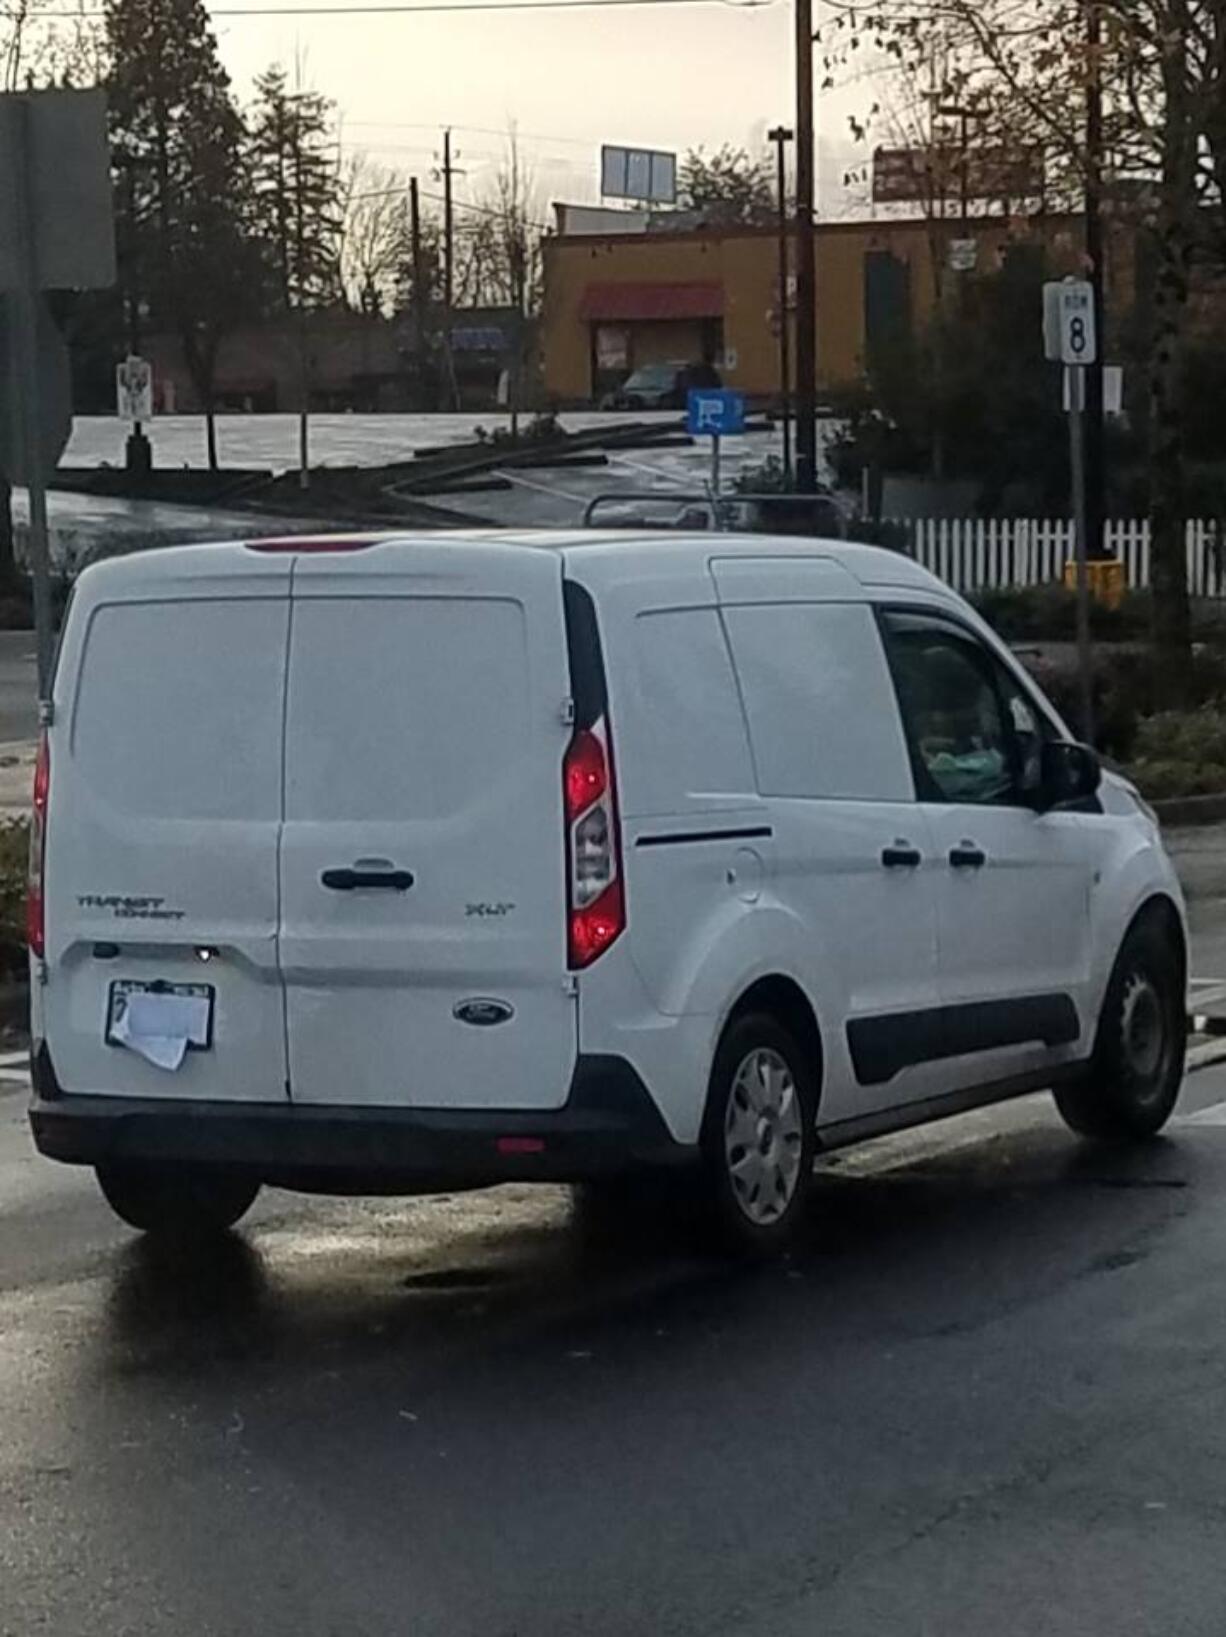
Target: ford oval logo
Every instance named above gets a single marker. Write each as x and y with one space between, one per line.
482 1013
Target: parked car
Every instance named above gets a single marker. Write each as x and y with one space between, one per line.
385 864
661 386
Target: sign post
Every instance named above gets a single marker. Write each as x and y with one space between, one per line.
715 413
1071 337
28 385
55 190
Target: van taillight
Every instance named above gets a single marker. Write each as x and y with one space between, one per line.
36 932
596 912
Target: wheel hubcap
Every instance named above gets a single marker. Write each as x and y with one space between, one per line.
763 1136
1144 1029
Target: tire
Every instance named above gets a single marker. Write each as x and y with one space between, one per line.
176 1201
1135 1075
758 1137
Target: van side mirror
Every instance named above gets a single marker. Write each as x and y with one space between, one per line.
1071 773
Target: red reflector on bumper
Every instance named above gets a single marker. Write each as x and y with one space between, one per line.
521 1145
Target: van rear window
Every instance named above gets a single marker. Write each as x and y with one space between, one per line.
688 735
178 708
403 707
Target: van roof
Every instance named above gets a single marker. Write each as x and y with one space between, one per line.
604 554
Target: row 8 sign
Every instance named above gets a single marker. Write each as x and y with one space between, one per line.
1070 334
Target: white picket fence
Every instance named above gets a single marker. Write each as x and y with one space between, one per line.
980 554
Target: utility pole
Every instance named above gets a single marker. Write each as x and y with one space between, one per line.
806 268
781 136
448 226
1095 453
419 293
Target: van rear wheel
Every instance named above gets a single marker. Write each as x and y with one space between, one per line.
176 1201
758 1136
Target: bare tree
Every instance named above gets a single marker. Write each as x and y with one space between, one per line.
499 261
374 234
1160 66
40 46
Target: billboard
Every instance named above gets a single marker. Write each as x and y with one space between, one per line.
920 175
641 174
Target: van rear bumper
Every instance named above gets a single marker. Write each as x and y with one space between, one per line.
608 1125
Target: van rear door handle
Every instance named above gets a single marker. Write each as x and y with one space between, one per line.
902 857
968 857
358 880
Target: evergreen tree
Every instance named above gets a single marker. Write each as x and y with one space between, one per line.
188 256
299 192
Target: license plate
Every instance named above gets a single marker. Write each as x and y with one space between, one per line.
173 1009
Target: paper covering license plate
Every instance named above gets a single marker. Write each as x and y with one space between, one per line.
166 1011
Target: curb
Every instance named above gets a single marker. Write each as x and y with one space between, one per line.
1175 811
1204 1056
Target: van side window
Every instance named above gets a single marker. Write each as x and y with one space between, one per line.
823 718
976 736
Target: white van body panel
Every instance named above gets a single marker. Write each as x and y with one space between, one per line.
424 733
164 816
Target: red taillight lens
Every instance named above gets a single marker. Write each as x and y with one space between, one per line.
593 929
587 773
35 914
597 906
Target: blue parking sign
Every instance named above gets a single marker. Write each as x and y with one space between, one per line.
715 412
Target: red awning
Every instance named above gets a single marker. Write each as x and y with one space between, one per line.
614 301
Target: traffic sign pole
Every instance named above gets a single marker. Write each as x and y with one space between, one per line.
25 312
1077 463
1070 334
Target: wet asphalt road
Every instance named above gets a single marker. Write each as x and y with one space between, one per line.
988 1395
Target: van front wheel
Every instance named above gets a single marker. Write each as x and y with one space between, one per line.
758 1135
176 1201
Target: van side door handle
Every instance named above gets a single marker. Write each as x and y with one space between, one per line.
358 880
967 857
901 856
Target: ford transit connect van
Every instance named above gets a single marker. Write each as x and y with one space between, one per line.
385 864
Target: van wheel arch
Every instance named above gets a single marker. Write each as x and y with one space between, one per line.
783 999
1161 912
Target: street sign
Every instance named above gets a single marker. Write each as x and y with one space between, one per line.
134 389
66 186
963 255
1069 332
59 234
54 398
715 412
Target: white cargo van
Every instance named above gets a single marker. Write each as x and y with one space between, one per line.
380 864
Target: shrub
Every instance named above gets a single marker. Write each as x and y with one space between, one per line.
1181 753
768 477
1124 691
1049 613
14 863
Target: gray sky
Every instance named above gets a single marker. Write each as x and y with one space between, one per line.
671 78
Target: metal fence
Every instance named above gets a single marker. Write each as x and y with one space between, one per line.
979 554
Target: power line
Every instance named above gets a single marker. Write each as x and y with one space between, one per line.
457 204
395 9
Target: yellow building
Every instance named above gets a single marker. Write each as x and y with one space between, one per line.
614 302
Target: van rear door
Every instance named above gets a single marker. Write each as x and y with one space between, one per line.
422 866
163 819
